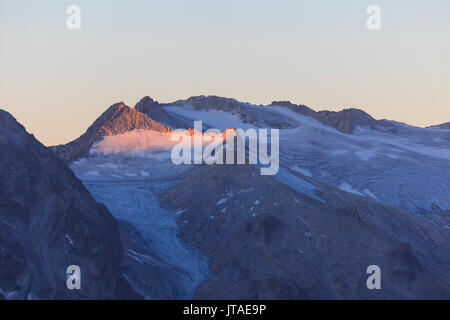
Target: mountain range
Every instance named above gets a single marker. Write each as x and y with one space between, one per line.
351 192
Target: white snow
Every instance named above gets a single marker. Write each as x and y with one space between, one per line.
348 188
136 142
221 201
217 119
296 183
144 173
245 190
92 173
144 143
137 202
392 156
371 195
302 171
70 240
338 152
108 165
128 174
365 155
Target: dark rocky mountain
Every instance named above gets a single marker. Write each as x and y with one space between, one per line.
345 120
263 238
149 114
204 103
246 112
299 108
442 126
49 221
155 111
211 103
266 241
146 272
118 119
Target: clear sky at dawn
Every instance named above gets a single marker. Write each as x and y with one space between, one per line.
319 53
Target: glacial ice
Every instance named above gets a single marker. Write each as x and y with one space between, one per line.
135 199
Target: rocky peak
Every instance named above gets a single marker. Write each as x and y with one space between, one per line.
49 221
346 120
117 119
442 126
211 103
146 105
302 109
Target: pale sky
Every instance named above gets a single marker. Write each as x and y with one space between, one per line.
319 53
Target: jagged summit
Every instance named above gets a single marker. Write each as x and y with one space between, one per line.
154 110
229 105
211 102
302 109
149 114
346 120
445 125
117 119
10 127
8 121
146 104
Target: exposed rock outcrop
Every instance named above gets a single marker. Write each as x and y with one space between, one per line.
345 120
442 126
118 119
154 110
266 241
49 221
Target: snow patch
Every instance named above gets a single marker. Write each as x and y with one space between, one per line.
144 173
302 171
365 155
348 188
70 240
131 174
92 173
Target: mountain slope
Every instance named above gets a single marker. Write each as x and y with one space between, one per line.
351 191
154 110
265 240
117 119
346 120
49 221
442 126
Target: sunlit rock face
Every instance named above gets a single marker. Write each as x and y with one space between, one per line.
118 119
49 221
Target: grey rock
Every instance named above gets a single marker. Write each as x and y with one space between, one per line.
268 241
49 221
155 111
